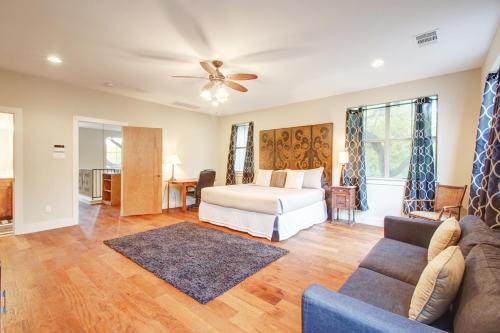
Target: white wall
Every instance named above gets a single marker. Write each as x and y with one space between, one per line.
48 110
92 148
492 59
458 110
6 145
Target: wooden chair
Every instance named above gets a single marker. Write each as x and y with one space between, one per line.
448 203
206 179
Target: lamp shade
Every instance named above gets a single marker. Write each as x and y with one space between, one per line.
173 159
343 157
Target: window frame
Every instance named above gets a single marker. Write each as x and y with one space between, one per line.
387 140
236 147
107 152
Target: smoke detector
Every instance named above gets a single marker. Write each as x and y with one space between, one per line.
426 38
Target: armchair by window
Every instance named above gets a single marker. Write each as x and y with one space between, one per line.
448 203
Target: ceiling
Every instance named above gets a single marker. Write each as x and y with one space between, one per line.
300 49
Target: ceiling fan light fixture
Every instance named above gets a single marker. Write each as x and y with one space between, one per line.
221 95
206 95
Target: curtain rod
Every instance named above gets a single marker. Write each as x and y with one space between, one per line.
375 106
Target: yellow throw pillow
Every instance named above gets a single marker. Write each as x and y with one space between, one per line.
438 285
447 234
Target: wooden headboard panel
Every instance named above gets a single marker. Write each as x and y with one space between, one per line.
303 147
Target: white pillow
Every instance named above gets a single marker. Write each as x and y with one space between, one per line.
263 177
312 178
294 179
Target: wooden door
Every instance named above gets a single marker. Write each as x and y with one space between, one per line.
6 198
141 171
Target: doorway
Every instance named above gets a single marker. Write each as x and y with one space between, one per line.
6 173
99 163
99 177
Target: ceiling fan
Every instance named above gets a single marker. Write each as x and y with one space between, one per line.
217 80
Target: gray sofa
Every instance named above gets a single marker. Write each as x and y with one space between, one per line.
376 298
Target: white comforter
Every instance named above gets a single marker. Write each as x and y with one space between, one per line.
268 200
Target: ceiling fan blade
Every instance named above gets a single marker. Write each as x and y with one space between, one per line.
209 85
206 66
235 86
241 76
189 77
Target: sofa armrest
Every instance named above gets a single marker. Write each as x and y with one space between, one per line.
412 231
325 311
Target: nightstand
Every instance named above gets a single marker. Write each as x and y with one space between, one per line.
344 197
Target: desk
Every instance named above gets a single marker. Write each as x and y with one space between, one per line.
184 184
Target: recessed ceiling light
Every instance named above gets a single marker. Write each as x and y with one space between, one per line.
108 84
54 59
377 63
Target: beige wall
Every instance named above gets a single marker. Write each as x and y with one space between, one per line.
92 147
492 60
48 111
458 110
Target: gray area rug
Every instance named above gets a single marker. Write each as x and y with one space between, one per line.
201 262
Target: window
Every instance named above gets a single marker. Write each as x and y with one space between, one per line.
113 153
388 132
241 146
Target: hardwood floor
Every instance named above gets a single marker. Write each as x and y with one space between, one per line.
67 280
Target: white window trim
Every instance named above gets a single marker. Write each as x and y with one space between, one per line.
394 181
236 148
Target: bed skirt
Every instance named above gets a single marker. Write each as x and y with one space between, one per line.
272 227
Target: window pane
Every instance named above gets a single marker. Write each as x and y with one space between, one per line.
239 160
434 118
400 121
374 159
399 158
375 124
113 153
241 136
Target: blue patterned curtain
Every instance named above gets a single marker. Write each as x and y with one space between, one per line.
421 182
248 172
230 175
355 170
484 189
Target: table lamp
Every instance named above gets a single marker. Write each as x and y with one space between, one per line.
174 160
343 160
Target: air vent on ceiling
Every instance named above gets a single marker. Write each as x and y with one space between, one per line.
426 38
186 105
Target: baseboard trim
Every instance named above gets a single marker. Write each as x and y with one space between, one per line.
43 226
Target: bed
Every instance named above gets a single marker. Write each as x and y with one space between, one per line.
270 212
277 213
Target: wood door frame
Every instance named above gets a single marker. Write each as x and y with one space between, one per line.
76 155
17 200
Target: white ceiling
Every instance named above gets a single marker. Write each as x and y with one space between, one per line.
300 49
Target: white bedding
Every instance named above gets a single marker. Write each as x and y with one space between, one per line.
262 199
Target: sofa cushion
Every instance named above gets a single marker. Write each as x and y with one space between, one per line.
396 259
379 290
447 234
438 285
474 232
479 297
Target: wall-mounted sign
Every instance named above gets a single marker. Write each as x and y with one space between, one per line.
58 152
